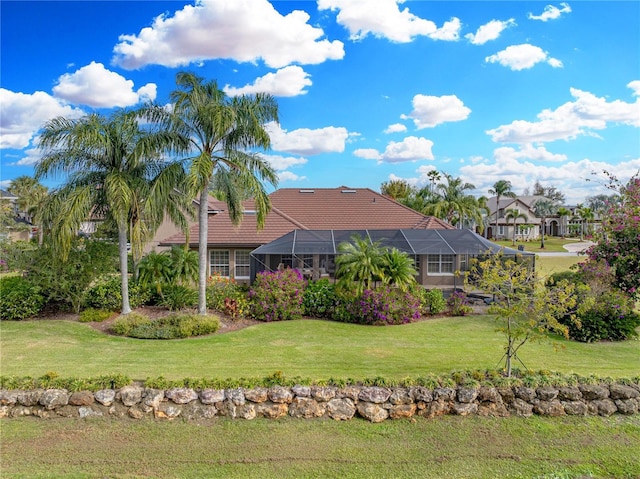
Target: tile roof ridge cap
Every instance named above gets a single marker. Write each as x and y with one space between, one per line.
281 213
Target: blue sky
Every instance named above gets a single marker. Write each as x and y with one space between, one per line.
369 90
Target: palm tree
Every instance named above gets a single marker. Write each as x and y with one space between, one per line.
449 202
221 132
500 188
563 213
513 214
398 269
586 215
113 172
543 209
359 264
31 196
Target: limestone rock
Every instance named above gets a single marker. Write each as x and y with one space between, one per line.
303 407
272 410
301 391
105 396
152 399
341 409
521 408
280 395
547 393
464 408
372 411
402 411
376 395
30 398
211 396
197 412
525 393
67 411
181 395
592 392
17 411
401 396
569 394
467 395
605 407
81 398
130 395
551 408
446 394
167 411
507 394
349 392
84 412
8 397
575 408
620 391
256 394
323 394
53 398
627 406
421 393
136 412
489 395
236 396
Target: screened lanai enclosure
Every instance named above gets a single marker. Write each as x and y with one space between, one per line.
437 253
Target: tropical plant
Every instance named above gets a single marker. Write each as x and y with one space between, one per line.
155 271
31 194
500 188
113 172
563 213
397 268
221 131
360 264
449 201
544 208
184 265
513 214
586 215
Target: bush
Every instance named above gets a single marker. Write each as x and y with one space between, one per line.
226 296
380 306
458 304
319 299
19 298
174 326
92 315
277 296
433 301
106 294
610 318
176 296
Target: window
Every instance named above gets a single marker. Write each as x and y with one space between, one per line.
440 263
501 230
243 264
523 230
219 262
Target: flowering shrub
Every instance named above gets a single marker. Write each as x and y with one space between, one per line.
458 304
319 299
228 297
277 296
379 306
433 302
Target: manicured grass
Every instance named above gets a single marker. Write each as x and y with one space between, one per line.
453 447
547 265
552 244
308 348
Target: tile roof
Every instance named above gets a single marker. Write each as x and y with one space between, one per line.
318 208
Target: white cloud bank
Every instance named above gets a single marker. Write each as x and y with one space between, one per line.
551 12
286 82
93 85
242 30
384 19
282 164
522 57
410 149
430 111
305 141
575 118
489 31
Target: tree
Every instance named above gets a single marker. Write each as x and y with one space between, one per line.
514 214
549 192
449 201
398 269
586 215
500 188
113 172
543 209
525 310
396 189
360 264
618 242
31 196
221 131
563 213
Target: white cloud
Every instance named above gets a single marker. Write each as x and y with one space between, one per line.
288 81
384 19
410 149
304 141
570 178
33 156
396 128
579 117
4 184
551 12
24 114
95 86
288 176
430 111
242 30
522 57
280 163
527 151
489 31
635 86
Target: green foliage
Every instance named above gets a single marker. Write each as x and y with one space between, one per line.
380 306
106 294
155 271
173 326
319 299
433 301
398 269
13 254
359 264
19 298
92 315
458 304
54 381
226 296
277 296
177 296
524 310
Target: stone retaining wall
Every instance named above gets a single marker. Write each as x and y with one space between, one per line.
372 403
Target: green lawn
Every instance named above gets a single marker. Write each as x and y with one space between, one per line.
552 244
309 348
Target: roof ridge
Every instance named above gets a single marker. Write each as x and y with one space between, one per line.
287 217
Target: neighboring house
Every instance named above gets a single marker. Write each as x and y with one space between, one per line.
526 229
292 208
20 229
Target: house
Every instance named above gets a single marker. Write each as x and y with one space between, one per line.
17 227
526 229
292 209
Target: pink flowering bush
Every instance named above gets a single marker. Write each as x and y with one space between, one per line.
277 296
458 304
379 306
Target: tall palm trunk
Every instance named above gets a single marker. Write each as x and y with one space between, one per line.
203 227
124 273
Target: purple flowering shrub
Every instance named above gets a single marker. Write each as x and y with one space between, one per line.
379 306
277 296
458 304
